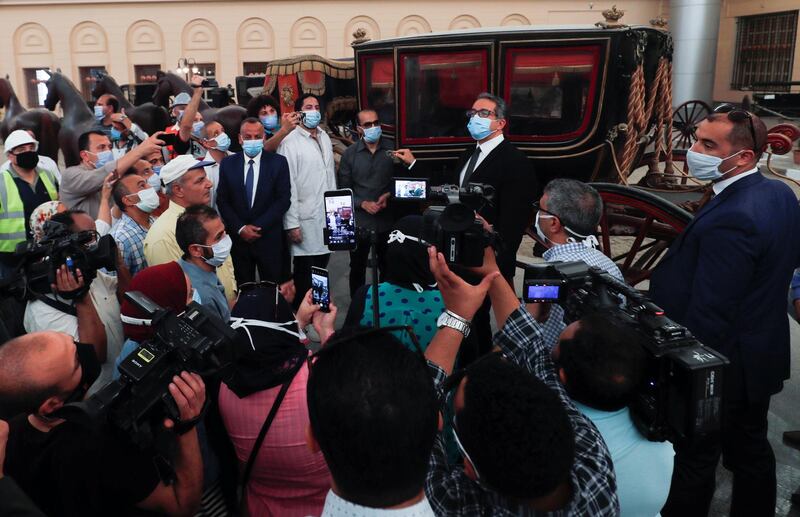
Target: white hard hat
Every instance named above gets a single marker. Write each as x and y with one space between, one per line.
179 166
18 138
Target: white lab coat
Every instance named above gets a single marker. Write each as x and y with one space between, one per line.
312 172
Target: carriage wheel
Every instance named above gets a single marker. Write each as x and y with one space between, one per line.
684 119
636 228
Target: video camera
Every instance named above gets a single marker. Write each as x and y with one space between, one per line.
137 403
681 395
38 262
453 227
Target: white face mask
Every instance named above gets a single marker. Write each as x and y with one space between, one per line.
705 167
589 241
221 251
148 200
539 231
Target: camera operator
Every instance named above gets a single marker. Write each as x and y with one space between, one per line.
601 363
527 449
566 220
96 309
68 469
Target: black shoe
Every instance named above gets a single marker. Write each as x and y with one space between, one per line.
792 439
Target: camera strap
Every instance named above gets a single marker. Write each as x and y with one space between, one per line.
263 432
58 305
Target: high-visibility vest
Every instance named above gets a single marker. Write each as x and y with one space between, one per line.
12 211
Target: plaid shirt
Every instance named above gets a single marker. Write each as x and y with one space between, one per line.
594 487
571 252
130 239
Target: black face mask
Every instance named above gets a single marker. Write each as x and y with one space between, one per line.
27 160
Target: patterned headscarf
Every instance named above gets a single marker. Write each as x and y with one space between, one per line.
41 214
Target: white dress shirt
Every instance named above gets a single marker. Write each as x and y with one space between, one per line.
335 506
486 148
311 173
723 184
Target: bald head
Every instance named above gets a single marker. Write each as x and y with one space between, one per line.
36 370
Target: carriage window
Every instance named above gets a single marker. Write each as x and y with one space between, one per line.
436 90
377 86
550 91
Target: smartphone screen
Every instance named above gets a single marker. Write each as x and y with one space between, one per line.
168 138
340 220
320 288
410 188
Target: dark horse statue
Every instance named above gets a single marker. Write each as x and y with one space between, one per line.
148 116
44 123
78 118
230 116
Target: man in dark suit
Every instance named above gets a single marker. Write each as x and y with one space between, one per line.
252 196
725 278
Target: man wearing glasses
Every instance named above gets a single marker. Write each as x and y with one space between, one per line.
368 169
725 278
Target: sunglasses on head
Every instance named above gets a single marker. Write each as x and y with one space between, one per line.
737 115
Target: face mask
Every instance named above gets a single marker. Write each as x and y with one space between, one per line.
312 118
116 134
270 122
252 147
27 160
539 231
372 134
479 128
706 167
90 371
157 169
196 296
98 113
103 158
148 199
155 182
223 142
221 251
197 127
180 116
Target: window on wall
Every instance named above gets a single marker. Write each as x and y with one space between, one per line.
765 47
208 70
35 89
89 76
145 73
254 67
377 86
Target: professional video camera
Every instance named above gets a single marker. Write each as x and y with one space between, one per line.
453 227
681 396
38 262
137 403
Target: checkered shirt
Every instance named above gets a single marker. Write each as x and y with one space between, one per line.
594 487
130 239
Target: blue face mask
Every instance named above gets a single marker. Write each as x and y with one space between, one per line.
98 113
479 128
223 142
312 118
197 127
372 134
157 169
270 122
116 134
252 147
103 158
706 167
196 296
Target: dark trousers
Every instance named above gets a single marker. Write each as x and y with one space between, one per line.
358 260
246 260
302 273
745 451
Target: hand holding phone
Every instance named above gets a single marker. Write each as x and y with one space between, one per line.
320 288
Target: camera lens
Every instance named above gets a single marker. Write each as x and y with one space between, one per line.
457 218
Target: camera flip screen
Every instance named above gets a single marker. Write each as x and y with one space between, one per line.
542 293
340 220
410 188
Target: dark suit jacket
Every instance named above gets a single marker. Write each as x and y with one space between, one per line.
512 175
726 277
271 202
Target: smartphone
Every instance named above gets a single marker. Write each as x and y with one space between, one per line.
410 188
320 288
340 220
168 138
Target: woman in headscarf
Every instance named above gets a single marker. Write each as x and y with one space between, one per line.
285 478
409 295
41 214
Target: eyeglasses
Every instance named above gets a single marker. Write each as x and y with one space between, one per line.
484 113
538 206
374 123
369 332
737 115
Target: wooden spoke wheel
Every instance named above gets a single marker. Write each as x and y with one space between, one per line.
637 228
684 119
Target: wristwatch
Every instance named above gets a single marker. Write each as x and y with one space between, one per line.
454 321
